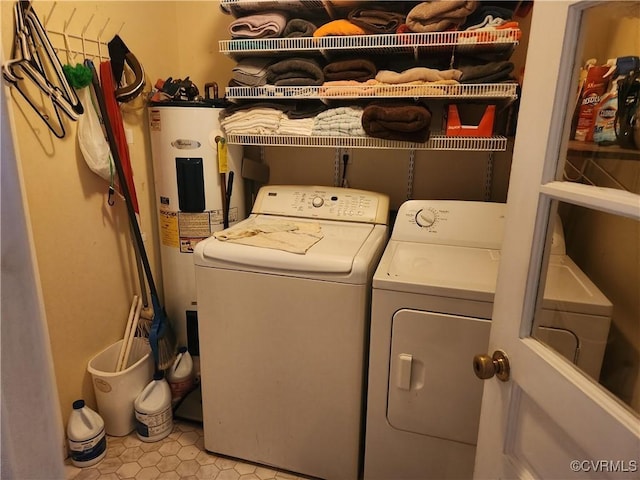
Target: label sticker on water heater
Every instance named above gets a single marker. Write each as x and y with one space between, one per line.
169 228
154 121
186 144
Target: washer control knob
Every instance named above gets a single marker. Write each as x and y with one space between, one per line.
317 202
426 218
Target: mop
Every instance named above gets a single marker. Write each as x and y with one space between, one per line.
161 337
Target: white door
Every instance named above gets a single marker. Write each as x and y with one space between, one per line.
549 420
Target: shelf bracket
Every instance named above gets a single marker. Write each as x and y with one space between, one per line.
488 180
336 166
410 173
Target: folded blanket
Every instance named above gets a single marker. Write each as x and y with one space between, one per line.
376 21
294 237
251 71
338 27
298 27
417 73
359 70
406 122
295 71
439 15
492 72
260 25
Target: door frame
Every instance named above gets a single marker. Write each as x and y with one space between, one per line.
536 371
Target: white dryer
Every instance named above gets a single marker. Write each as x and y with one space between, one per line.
431 308
283 336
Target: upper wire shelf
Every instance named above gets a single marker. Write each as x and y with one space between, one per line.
463 41
431 90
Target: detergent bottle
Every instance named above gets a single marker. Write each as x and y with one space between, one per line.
604 131
582 78
180 375
86 436
594 87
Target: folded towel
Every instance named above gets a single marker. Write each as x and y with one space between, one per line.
251 71
340 121
253 121
337 28
439 15
293 8
481 13
294 237
306 109
297 126
295 71
348 88
417 73
376 21
359 70
260 25
401 121
298 27
492 72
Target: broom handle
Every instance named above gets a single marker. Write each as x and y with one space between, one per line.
113 145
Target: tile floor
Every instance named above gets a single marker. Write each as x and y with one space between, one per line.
180 456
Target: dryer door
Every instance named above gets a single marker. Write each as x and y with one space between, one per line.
432 389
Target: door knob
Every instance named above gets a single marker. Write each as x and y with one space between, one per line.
486 367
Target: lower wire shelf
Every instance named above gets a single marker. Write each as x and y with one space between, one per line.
436 142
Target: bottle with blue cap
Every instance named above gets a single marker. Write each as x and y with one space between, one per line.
86 435
154 416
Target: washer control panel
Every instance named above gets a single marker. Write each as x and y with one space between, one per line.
325 203
450 222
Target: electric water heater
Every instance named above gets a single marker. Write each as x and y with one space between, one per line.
191 194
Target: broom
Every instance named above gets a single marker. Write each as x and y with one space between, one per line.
162 339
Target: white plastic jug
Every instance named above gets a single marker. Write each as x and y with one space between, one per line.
180 375
154 417
85 432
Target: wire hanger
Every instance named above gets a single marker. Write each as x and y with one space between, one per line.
34 58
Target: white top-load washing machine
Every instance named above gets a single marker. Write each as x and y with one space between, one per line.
431 308
283 336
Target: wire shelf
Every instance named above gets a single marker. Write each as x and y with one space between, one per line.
467 40
436 142
434 90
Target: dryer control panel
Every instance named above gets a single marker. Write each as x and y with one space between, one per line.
451 222
323 203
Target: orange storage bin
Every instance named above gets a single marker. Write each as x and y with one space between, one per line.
483 129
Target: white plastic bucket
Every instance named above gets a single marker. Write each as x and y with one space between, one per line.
116 391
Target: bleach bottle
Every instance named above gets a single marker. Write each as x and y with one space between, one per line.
180 375
87 439
154 416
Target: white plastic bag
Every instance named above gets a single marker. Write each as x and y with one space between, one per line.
93 144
